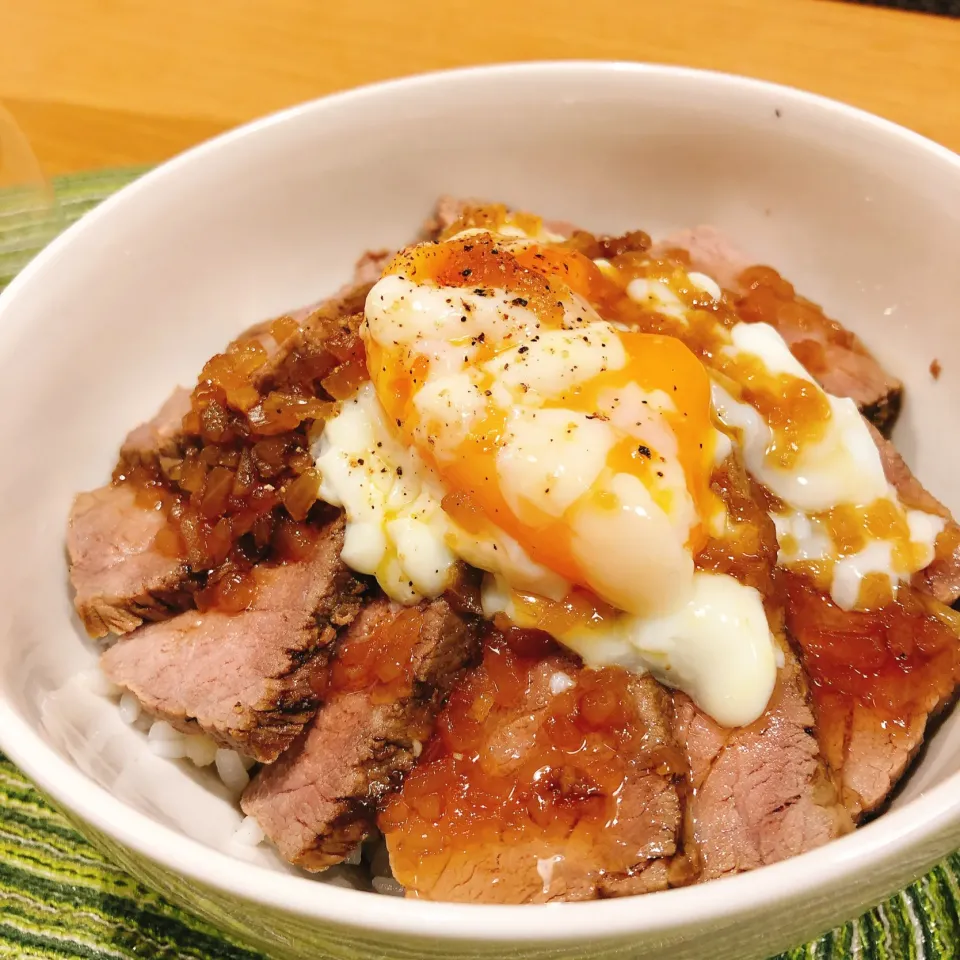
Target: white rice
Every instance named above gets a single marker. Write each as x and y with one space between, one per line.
166 741
352 878
169 749
201 749
231 770
248 834
161 730
95 680
129 708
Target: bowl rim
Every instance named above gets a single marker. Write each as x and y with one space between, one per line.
726 899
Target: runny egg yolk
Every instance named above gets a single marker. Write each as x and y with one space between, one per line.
590 446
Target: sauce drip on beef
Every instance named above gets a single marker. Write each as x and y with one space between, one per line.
897 661
535 750
241 485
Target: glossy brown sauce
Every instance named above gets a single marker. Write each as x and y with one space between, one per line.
511 762
898 662
381 661
768 298
747 551
242 485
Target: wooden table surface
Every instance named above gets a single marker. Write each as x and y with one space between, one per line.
97 83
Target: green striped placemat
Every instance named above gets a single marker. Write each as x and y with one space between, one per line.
60 898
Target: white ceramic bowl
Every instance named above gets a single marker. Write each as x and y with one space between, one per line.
863 215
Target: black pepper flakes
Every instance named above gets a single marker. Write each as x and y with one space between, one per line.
644 451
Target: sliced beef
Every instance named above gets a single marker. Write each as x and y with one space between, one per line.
761 793
368 269
318 323
244 678
877 679
159 436
758 794
836 357
320 798
121 579
350 298
942 578
445 214
545 781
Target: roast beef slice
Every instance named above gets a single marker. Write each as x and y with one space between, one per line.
161 435
869 753
244 678
630 855
875 694
942 578
761 793
847 370
320 797
319 321
120 578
